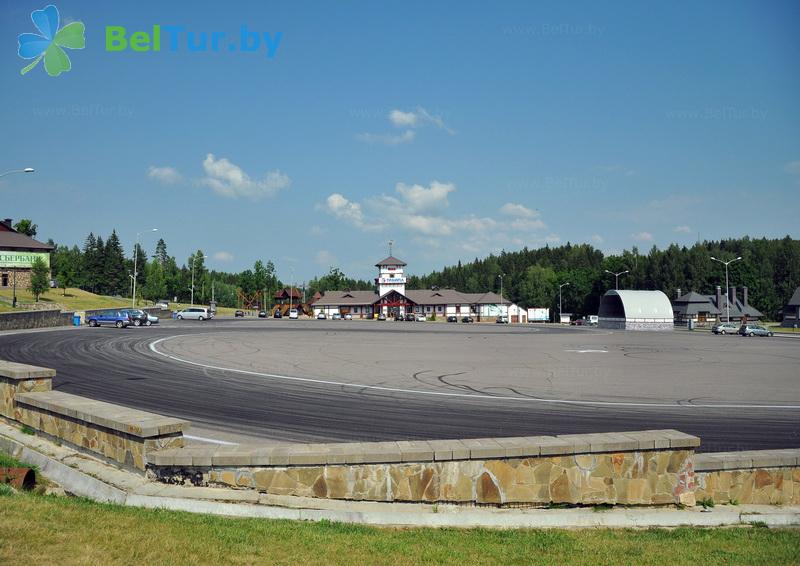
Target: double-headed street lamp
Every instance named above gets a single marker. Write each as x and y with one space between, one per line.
559 300
135 264
26 170
616 277
193 258
727 290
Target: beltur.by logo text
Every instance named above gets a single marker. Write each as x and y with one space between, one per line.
178 38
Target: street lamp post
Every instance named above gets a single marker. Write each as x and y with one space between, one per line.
501 293
559 300
727 290
616 277
193 258
26 170
135 272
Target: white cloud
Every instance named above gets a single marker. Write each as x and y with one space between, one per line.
419 198
527 224
597 239
793 167
166 175
387 139
642 236
326 258
518 210
316 231
552 239
222 256
230 180
682 229
351 212
407 120
403 119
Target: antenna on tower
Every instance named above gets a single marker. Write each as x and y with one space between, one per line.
391 243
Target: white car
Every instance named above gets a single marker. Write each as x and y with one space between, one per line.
321 316
348 316
293 314
421 318
195 313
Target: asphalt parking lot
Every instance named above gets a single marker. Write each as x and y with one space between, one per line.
344 380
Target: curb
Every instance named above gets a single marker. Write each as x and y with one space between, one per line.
80 483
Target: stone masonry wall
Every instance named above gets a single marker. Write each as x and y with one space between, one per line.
130 451
21 378
634 468
764 477
34 319
630 478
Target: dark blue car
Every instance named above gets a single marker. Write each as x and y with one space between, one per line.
120 319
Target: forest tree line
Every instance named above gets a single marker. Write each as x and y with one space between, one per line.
770 268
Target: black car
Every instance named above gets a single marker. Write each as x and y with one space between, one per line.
467 319
452 318
277 314
399 318
410 317
262 314
136 316
238 313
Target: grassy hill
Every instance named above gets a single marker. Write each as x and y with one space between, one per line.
79 300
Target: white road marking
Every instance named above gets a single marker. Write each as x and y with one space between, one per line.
212 440
675 405
588 351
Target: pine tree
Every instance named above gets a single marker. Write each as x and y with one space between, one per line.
40 278
115 272
161 255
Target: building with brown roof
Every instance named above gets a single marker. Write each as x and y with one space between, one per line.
392 299
17 254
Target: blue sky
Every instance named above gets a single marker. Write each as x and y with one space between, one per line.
455 129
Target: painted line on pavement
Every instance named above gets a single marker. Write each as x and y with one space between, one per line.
362 386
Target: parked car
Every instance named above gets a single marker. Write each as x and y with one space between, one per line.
163 305
576 322
381 316
591 320
348 316
725 328
410 317
399 318
421 318
452 318
321 316
151 319
754 330
238 313
277 314
120 319
502 319
194 313
137 317
293 314
336 316
467 319
262 314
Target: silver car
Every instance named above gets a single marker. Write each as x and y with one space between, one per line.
725 328
195 313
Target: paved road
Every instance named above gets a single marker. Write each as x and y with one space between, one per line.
364 393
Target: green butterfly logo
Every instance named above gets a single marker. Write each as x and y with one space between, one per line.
48 45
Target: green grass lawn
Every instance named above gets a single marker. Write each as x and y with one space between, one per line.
50 530
79 300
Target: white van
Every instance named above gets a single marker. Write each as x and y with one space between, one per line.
293 313
195 313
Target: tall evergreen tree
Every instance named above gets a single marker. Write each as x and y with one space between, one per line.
115 273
